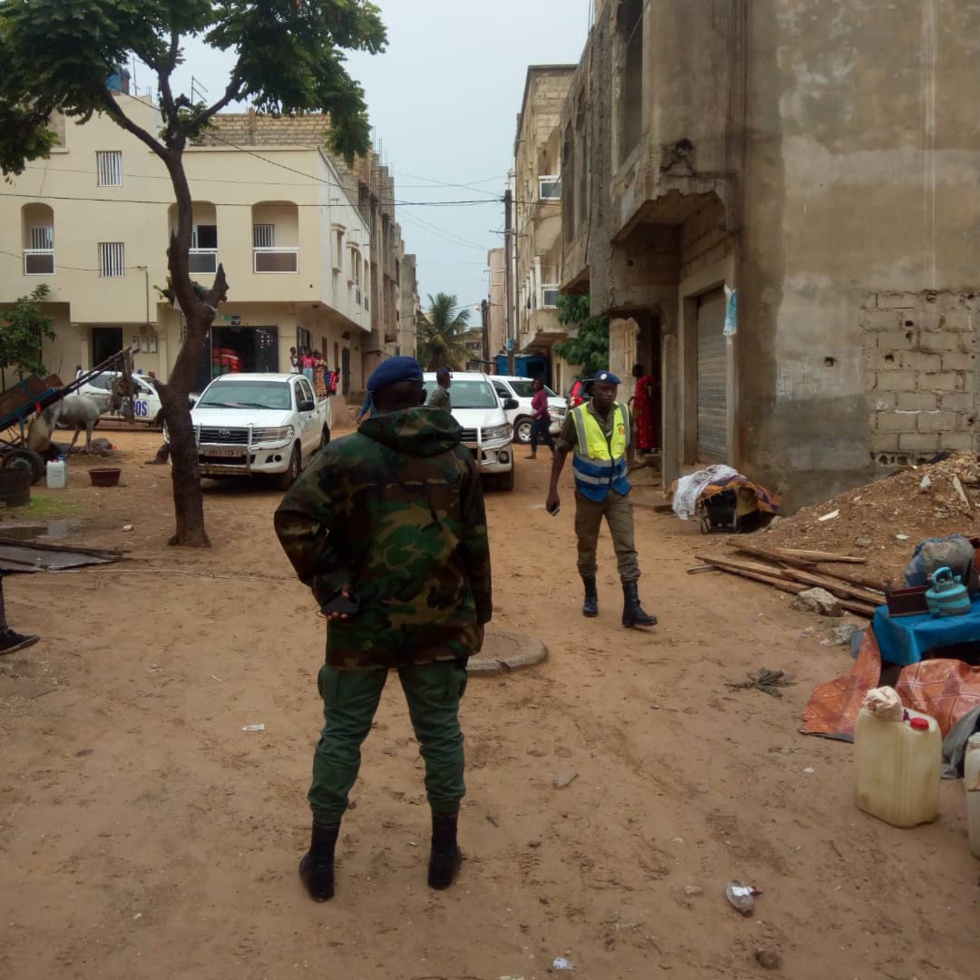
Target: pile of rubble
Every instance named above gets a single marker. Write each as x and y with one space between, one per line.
883 521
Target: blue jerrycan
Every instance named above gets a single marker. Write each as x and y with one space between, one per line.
948 595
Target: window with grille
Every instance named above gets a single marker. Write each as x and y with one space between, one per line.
112 259
42 236
109 166
263 236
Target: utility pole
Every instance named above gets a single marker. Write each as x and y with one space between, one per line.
511 332
485 319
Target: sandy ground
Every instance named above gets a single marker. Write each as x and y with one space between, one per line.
143 833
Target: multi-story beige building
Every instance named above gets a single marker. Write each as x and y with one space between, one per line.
537 214
497 307
819 159
270 204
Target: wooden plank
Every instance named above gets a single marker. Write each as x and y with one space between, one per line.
776 556
834 586
73 549
819 556
859 608
861 583
759 573
740 563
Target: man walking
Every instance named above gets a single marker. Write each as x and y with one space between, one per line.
387 527
599 434
540 419
440 395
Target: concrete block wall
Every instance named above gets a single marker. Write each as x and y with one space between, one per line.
920 370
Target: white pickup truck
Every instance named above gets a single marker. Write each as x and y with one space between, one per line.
257 424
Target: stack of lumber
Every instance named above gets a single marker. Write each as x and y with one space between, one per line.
796 570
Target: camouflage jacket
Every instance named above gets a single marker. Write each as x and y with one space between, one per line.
395 511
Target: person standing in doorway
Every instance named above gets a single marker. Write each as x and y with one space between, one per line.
11 641
540 420
599 434
440 394
293 361
343 525
320 372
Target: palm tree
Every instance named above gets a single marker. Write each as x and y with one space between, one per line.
440 340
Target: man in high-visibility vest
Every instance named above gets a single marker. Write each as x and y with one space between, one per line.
599 434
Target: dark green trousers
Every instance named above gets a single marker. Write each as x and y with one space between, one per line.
617 509
350 700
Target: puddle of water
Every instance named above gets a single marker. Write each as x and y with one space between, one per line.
31 532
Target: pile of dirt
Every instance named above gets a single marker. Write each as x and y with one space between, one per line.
883 521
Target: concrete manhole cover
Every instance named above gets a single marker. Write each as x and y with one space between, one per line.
503 650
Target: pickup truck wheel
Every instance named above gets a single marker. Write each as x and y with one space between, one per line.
505 481
287 479
325 435
522 430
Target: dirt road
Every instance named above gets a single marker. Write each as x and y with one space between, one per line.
144 834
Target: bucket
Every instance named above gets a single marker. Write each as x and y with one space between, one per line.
898 767
15 486
104 476
971 780
57 474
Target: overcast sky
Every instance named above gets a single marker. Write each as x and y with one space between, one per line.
444 100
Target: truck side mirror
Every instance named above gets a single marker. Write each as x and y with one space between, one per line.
510 404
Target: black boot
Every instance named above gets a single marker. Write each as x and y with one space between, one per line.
10 641
316 867
590 607
633 614
444 857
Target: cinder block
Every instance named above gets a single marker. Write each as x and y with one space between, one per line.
922 362
937 421
941 381
958 401
884 442
956 361
918 441
896 421
960 321
938 340
896 340
884 401
917 401
897 381
898 301
877 320
958 440
879 360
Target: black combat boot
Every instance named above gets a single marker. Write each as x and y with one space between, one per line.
590 607
316 867
11 642
633 614
444 857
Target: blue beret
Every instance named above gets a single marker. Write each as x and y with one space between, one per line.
443 371
393 371
607 378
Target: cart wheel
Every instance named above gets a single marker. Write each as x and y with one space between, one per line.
25 459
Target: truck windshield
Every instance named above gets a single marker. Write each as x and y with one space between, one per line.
468 394
525 389
247 394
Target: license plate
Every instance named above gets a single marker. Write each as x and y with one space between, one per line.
223 453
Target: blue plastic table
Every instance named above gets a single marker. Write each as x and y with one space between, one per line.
904 639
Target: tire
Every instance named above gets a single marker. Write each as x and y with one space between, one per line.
325 435
505 481
287 479
25 459
522 430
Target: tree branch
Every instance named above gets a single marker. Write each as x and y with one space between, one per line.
111 109
231 94
170 62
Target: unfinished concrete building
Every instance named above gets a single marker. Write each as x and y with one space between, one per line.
820 159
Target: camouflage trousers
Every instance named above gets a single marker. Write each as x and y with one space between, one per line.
618 512
350 700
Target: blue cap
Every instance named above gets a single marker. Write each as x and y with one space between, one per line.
393 371
443 371
607 378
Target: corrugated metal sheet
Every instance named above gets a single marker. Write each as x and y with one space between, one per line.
712 379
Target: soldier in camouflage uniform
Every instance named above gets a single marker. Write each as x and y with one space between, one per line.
393 517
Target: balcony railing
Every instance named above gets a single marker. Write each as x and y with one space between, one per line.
276 259
38 261
203 260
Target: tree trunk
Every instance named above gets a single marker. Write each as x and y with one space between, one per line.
199 312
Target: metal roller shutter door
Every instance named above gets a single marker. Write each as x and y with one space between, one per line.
712 379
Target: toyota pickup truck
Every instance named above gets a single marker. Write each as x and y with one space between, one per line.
259 424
